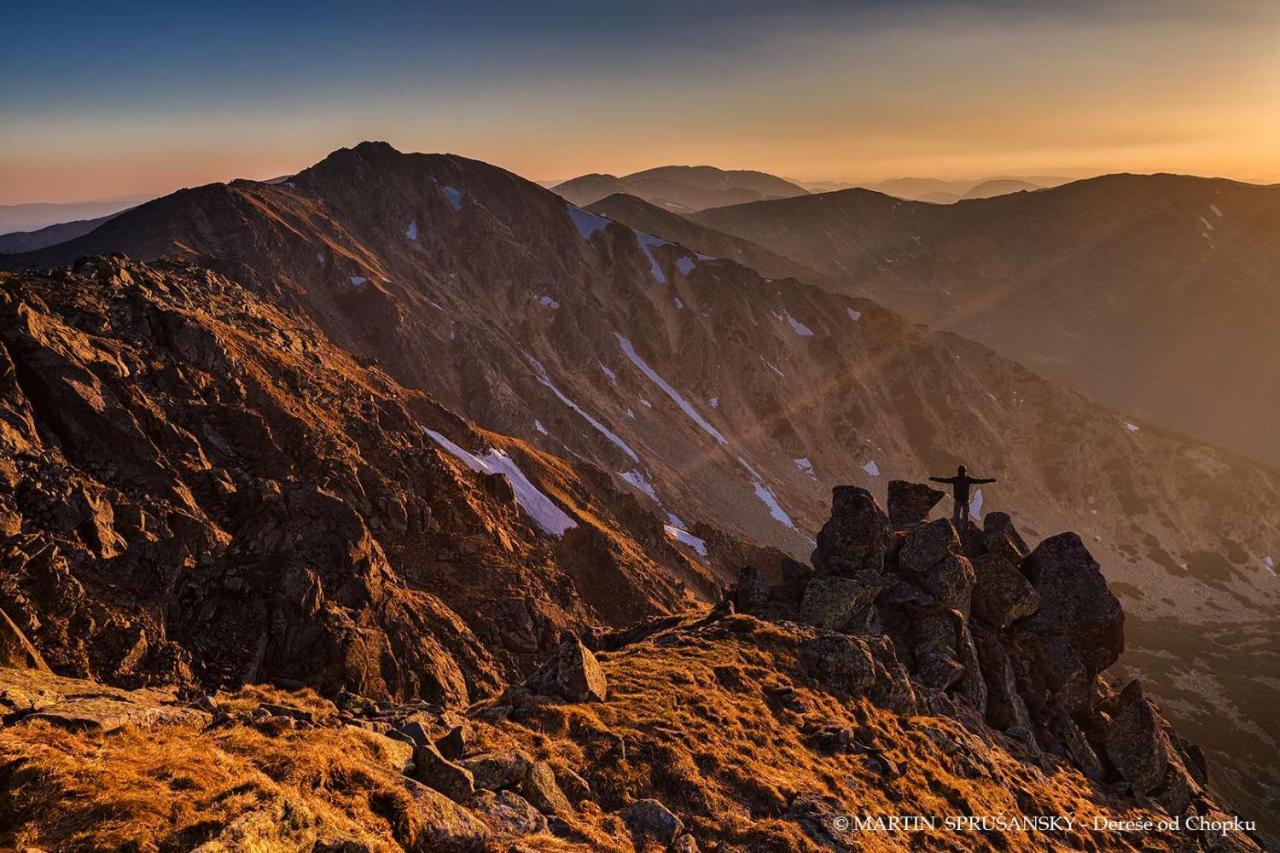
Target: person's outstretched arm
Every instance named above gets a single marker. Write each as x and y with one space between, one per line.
940 479
985 481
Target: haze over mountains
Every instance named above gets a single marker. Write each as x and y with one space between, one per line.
1153 294
696 386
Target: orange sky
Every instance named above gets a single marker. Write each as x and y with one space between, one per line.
832 94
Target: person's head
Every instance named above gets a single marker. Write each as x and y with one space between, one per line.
961 471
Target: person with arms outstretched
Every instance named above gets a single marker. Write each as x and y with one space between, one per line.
960 484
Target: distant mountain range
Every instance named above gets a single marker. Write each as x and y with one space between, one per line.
681 188
1155 294
33 217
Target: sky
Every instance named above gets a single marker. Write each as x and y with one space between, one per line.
104 100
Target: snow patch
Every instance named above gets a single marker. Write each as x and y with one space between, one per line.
586 416
679 303
631 414
872 468
320 258
613 377
685 405
686 538
412 232
638 479
645 403
541 509
586 223
647 243
767 497
537 424
804 464
685 265
799 328
855 316
1131 427
454 197
703 257
547 301
435 305
358 281
1216 212
715 402
975 504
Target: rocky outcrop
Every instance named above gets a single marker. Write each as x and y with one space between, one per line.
199 489
917 618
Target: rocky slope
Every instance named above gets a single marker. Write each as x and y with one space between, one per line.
1155 294
728 403
681 188
197 489
908 671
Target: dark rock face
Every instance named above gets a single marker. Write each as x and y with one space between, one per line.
1001 538
1075 601
855 539
1143 748
910 503
1001 593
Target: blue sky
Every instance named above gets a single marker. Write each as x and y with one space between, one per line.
110 99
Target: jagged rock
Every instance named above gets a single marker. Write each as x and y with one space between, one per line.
494 770
15 649
1001 593
844 665
396 755
1075 601
834 602
910 503
1052 670
454 744
945 657
1075 745
508 813
1141 748
649 818
573 673
431 768
855 538
925 545
1006 709
751 592
540 788
438 823
1000 537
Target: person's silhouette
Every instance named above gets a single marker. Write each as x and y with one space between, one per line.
960 484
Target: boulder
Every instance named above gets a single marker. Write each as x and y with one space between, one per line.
949 582
855 538
1001 593
433 769
497 769
15 649
843 665
649 818
435 822
573 673
910 503
834 602
1140 746
539 787
508 814
454 744
925 545
1075 600
1001 538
